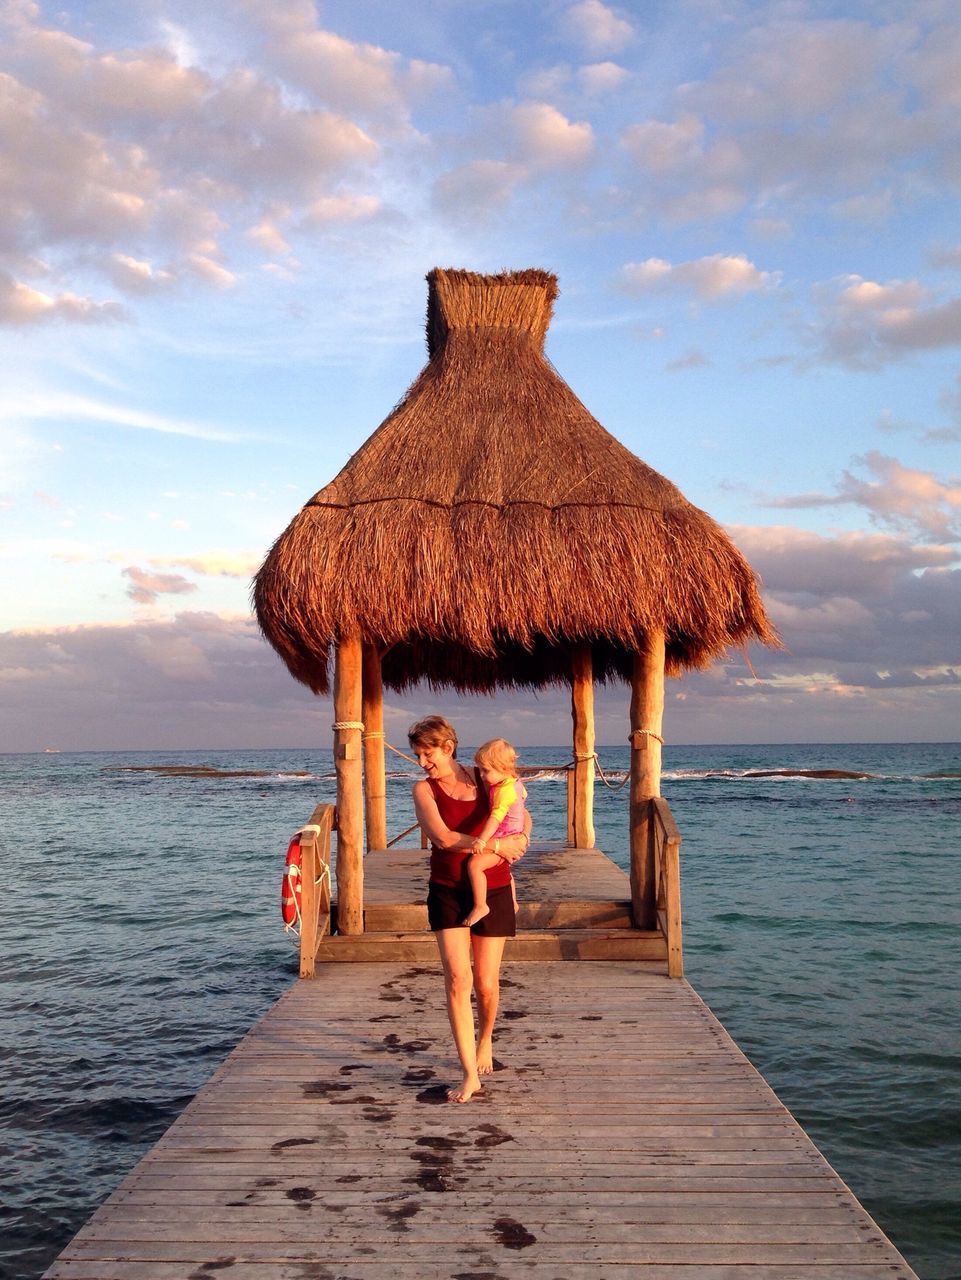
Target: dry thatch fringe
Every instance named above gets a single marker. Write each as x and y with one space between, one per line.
511 300
491 522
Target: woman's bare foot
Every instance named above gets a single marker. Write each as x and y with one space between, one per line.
477 914
485 1058
465 1091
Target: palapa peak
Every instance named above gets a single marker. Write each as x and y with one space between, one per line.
491 522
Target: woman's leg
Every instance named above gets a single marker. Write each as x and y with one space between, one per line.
455 956
477 864
488 953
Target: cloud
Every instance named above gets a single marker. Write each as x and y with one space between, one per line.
864 324
116 160
47 406
710 278
137 276
692 359
597 26
601 77
865 565
886 655
539 135
663 147
194 680
895 496
857 610
221 564
530 141
146 587
341 207
796 109
473 191
348 76
22 305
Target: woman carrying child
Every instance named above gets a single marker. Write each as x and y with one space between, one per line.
453 807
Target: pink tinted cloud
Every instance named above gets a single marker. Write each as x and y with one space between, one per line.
145 587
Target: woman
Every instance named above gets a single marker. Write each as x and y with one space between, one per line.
452 806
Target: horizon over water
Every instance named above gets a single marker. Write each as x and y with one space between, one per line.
821 920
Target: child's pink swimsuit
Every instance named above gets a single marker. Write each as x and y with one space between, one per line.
507 805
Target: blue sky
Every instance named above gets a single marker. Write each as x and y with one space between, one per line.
214 229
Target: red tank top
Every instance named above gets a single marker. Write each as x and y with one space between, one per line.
467 818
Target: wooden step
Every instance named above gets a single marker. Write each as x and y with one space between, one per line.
411 917
531 945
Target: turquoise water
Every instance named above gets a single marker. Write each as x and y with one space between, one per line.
821 924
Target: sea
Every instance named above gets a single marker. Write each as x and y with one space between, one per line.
140 937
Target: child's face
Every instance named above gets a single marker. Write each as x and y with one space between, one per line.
490 775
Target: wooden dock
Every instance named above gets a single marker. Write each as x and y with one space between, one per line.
625 1136
622 1135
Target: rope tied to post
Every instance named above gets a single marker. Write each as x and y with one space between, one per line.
366 733
645 733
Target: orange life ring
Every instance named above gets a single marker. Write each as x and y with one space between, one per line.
290 886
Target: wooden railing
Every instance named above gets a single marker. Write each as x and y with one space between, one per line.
315 885
666 841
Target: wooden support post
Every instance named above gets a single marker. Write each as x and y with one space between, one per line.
570 808
582 713
375 778
350 789
647 718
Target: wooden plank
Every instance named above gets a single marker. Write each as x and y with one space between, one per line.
565 944
364 1268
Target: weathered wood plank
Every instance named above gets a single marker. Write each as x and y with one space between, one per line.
418 1254
367 1269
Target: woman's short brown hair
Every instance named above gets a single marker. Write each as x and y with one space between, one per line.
432 731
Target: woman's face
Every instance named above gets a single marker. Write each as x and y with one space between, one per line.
436 761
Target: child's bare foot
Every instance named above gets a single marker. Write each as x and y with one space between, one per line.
477 914
465 1091
485 1058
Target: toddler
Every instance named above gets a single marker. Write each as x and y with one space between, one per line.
496 762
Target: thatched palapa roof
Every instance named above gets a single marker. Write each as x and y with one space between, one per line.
491 522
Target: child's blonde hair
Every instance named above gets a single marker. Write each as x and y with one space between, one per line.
497 754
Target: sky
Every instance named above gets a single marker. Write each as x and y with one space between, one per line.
215 223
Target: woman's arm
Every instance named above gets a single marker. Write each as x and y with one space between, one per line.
428 815
513 847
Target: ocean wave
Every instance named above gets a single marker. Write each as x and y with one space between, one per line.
800 774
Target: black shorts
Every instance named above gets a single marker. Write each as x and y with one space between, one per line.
447 907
